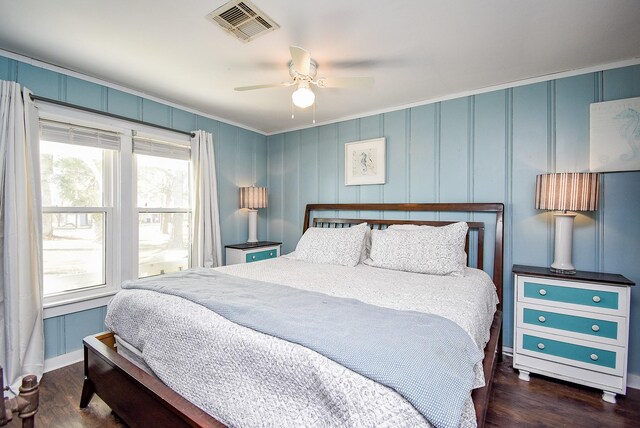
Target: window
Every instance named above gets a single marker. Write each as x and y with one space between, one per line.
164 213
115 207
77 166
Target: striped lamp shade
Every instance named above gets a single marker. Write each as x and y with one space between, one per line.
253 197
567 191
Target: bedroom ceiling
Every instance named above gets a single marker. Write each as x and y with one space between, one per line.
416 50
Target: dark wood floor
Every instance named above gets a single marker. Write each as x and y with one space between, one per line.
545 402
514 403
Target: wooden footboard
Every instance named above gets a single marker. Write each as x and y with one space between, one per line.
138 398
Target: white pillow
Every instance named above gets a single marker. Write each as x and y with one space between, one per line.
343 246
425 249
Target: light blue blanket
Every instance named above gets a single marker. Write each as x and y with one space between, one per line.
427 359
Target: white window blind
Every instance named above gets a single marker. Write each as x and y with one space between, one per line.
165 149
58 132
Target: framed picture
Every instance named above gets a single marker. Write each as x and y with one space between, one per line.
614 142
364 162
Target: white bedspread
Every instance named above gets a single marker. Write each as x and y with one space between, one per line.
185 344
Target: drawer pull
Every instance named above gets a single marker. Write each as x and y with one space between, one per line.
595 327
542 292
596 299
271 254
541 318
594 357
253 257
540 345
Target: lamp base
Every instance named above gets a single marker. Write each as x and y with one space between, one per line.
253 226
562 263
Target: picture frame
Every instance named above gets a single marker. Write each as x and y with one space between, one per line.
614 135
364 162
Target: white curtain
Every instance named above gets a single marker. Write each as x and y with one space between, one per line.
21 332
206 247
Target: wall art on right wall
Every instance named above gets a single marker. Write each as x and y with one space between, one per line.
615 136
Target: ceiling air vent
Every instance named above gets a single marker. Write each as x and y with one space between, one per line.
242 19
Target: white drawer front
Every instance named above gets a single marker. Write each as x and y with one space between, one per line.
581 296
584 325
599 357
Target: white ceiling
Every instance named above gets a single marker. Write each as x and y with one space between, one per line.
416 50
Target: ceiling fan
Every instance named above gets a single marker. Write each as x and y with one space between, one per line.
303 70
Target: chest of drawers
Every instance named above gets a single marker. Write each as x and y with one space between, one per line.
572 327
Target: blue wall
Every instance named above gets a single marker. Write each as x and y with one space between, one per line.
240 161
483 148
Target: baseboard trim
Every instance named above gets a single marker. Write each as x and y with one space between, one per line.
63 360
633 381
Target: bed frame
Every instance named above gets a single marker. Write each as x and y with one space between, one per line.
142 400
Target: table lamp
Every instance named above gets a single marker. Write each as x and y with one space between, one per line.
253 198
566 192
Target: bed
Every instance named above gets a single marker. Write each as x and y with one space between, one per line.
141 399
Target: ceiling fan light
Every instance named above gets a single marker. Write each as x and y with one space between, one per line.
303 97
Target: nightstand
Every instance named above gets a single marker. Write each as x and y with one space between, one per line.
572 327
251 252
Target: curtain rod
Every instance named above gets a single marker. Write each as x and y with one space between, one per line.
104 113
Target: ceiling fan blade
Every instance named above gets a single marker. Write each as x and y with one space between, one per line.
301 60
268 85
344 82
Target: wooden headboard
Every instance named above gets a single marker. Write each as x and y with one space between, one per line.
477 227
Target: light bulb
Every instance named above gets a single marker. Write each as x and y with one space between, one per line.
303 97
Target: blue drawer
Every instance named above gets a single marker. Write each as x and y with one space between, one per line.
590 326
576 296
584 354
261 255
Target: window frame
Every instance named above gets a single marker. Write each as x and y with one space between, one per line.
154 210
121 257
108 235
